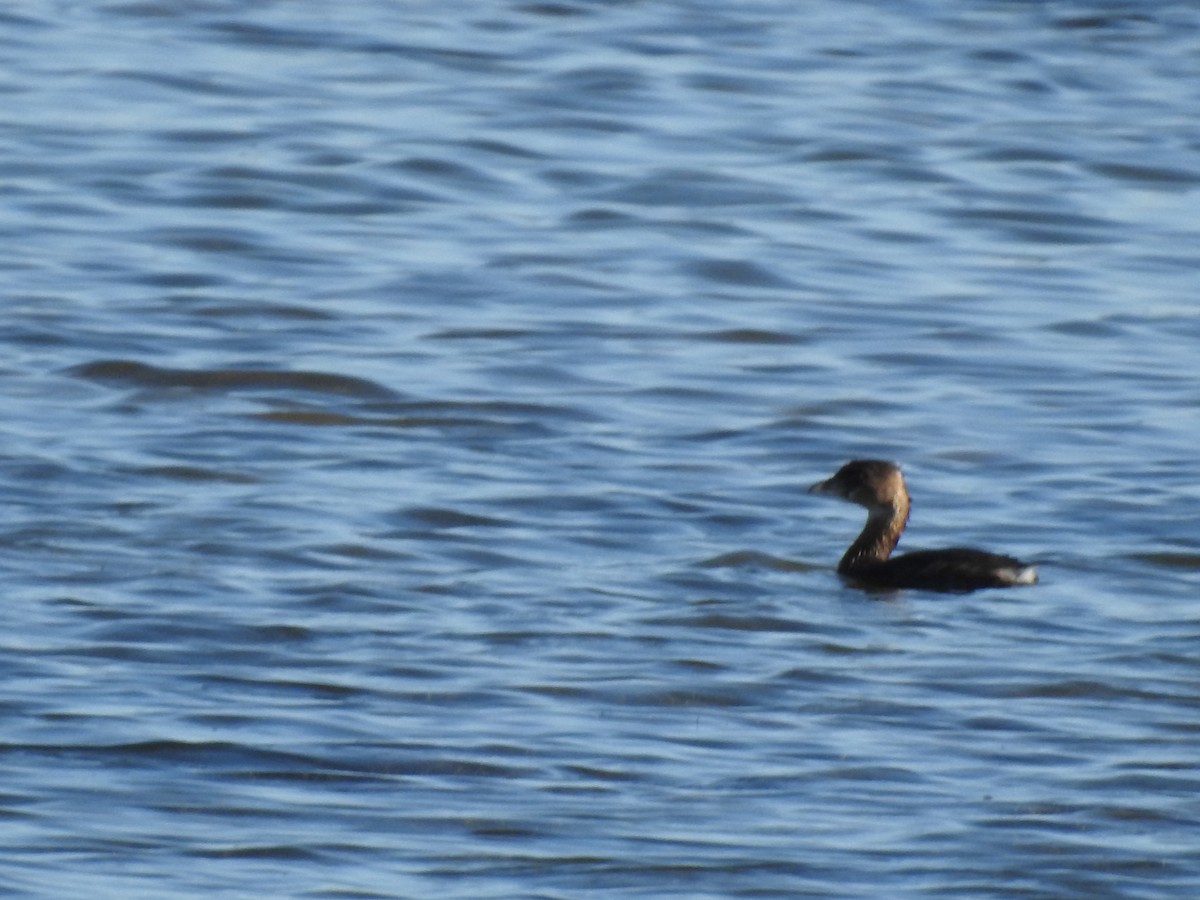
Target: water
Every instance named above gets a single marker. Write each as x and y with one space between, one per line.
408 410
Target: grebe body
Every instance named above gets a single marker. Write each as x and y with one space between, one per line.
879 486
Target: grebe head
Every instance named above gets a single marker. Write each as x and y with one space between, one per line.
874 483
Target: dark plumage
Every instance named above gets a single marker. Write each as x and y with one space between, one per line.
879 486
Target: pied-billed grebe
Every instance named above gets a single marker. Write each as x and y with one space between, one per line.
879 486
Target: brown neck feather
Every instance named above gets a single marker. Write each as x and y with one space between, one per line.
878 537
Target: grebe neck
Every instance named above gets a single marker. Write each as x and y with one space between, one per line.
879 536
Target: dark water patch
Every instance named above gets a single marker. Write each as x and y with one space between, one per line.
325 418
999 56
19 21
451 767
819 679
482 557
1001 724
687 699
301 182
220 754
483 334
879 710
250 763
853 152
551 690
603 80
234 310
883 774
1021 154
278 687
449 173
205 136
580 126
559 504
269 36
30 335
240 244
197 473
1074 689
192 281
691 188
362 552
141 375
612 90
599 217
1170 560
88 609
517 638
736 272
555 10
892 236
502 149
503 830
145 631
1144 814
139 651
453 59
1148 175
532 260
1088 328
325 159
399 202
698 665
1101 21
684 393
445 519
231 201
277 634
736 559
602 774
187 85
843 649
583 180
566 378
729 83
728 622
1136 784
903 359
1036 225
283 853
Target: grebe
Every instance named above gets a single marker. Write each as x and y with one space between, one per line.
879 486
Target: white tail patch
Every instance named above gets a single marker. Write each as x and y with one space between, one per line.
1018 575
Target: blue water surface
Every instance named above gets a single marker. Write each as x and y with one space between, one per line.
407 415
